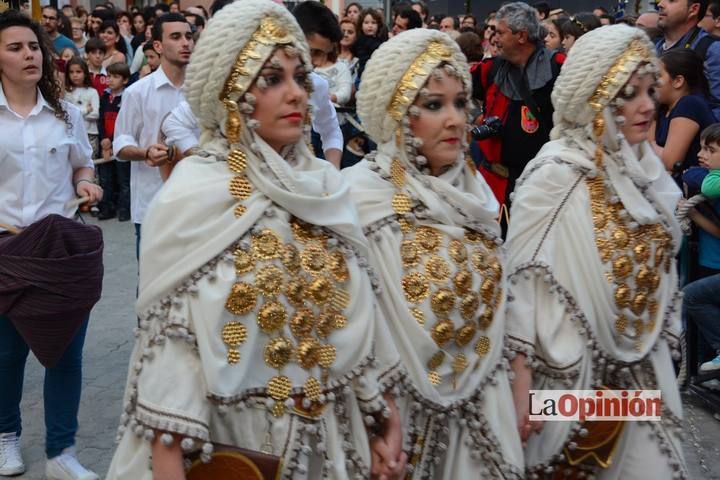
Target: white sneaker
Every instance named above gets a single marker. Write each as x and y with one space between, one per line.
711 366
66 467
10 460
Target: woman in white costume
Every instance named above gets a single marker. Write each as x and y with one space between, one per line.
257 318
434 242
593 298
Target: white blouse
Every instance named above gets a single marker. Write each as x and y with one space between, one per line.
38 155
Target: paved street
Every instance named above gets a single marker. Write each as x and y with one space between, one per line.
108 346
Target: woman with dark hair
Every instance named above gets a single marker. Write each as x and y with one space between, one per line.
553 33
471 46
125 24
684 110
352 11
46 164
138 30
576 27
115 47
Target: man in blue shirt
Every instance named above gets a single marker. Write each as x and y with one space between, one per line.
679 23
50 21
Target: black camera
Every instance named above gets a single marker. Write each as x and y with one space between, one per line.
491 127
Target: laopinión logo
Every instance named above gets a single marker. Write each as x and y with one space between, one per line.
595 405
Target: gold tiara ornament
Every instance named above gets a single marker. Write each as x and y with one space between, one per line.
416 76
269 34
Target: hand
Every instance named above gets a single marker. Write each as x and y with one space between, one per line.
388 459
90 190
105 144
521 398
156 155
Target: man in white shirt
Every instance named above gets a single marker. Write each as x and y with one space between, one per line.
145 104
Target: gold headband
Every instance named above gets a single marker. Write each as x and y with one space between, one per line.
617 76
248 63
416 76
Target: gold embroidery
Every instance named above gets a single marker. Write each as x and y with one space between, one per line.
242 299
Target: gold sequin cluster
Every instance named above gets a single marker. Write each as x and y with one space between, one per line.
297 298
454 278
240 186
636 260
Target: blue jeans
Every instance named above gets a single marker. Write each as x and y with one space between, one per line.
701 304
61 391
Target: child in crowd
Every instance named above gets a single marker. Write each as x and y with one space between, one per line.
373 33
80 92
114 176
684 110
152 62
67 54
95 53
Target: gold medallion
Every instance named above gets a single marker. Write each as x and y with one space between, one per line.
622 267
437 269
487 290
652 307
621 323
341 299
409 253
436 360
240 188
416 287
442 332
620 238
639 304
428 239
639 327
659 256
301 232
242 299
644 277
325 324
469 305
295 292
278 352
463 281
482 347
320 291
478 259
457 251
312 389
486 318
642 252
269 280
314 258
434 378
244 262
460 363
237 161
473 237
405 225
271 317
622 296
266 246
443 301
397 173
327 354
291 258
239 210
401 203
338 267
308 353
234 334
279 387
465 334
302 322
496 270
233 356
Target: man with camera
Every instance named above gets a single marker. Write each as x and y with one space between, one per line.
514 90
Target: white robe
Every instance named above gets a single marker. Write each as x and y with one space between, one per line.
562 310
180 380
468 429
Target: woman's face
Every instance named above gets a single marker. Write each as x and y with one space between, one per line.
67 54
109 37
124 23
353 12
638 107
349 34
139 23
441 123
664 88
369 26
281 106
567 42
20 56
552 39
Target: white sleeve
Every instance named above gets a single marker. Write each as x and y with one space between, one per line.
344 83
324 120
138 60
180 128
94 113
129 122
80 150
